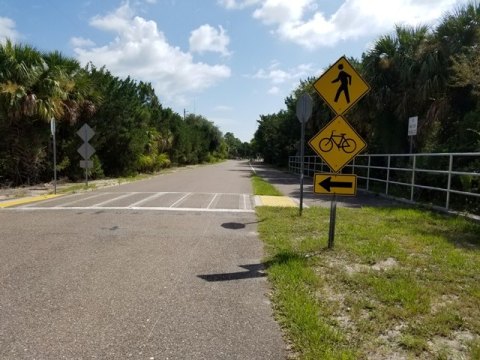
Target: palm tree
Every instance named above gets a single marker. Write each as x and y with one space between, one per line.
34 89
21 66
456 40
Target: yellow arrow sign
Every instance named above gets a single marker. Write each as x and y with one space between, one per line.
341 86
337 143
335 184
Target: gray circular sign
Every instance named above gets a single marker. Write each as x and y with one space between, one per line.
304 108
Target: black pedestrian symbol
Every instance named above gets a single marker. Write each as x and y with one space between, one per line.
345 81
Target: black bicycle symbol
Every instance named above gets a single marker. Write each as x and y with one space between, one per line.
341 141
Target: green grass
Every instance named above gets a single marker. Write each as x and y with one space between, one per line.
75 188
127 179
399 282
262 187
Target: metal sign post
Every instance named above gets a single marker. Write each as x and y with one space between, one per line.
53 131
86 150
86 157
333 219
304 111
341 86
412 130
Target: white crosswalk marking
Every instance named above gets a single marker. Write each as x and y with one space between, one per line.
153 201
148 198
211 202
180 200
112 200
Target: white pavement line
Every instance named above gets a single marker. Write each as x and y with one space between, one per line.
112 200
140 208
211 202
148 198
244 202
253 169
180 200
87 198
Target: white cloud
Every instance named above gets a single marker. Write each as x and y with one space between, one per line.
223 108
281 11
7 30
303 22
282 77
237 4
142 51
274 90
208 38
81 42
151 1
278 76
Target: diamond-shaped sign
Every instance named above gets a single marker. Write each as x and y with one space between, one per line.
86 150
341 86
86 132
337 143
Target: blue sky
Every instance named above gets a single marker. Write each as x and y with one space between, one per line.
228 60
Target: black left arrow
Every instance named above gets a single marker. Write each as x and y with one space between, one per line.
327 184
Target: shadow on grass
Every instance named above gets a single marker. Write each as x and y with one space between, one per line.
465 236
253 270
457 230
284 257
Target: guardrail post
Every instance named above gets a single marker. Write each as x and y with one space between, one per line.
368 173
450 168
414 165
388 175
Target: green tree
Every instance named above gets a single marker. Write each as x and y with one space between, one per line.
35 89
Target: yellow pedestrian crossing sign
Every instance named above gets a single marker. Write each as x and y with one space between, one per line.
341 86
337 143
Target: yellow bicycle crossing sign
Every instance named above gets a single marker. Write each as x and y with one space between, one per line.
337 143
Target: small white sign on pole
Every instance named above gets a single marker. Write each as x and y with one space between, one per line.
412 125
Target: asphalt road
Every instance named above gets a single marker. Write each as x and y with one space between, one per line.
177 276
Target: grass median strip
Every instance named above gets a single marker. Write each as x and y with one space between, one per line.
400 283
262 187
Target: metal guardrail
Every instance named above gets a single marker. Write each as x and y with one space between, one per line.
449 181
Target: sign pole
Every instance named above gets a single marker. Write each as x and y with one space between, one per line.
302 165
341 86
86 157
304 111
86 150
412 130
52 128
333 217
